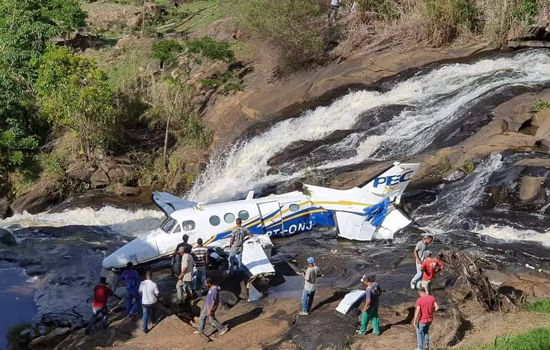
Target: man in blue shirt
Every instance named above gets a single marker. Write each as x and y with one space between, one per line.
209 310
132 280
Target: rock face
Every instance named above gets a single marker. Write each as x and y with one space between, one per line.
79 171
4 208
7 238
530 187
50 340
99 179
37 200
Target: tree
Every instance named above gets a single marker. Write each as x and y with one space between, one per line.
74 93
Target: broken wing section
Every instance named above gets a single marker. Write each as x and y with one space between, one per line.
255 256
169 203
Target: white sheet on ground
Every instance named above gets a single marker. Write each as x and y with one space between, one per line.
254 257
350 299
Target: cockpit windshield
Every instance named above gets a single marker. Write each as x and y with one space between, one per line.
168 225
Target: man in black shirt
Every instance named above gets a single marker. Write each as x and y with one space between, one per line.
176 258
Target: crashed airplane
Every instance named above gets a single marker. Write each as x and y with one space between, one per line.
357 214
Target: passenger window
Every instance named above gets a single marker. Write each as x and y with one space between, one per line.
188 225
294 207
177 229
243 215
214 220
229 218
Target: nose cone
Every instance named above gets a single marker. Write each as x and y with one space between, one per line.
138 251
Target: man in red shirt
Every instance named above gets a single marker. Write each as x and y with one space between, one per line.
423 317
99 304
430 267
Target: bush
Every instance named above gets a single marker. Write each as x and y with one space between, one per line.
211 50
294 27
539 105
535 339
384 9
226 82
14 340
166 51
74 93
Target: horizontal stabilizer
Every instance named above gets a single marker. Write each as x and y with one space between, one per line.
169 203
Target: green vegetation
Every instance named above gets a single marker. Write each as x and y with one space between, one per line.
209 49
534 339
539 306
469 167
166 52
293 27
225 82
74 93
539 105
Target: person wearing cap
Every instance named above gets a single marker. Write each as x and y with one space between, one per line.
423 317
419 250
176 257
370 310
430 267
131 277
310 276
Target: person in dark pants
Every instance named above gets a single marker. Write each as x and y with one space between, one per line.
310 276
132 280
149 293
209 310
423 317
333 11
238 236
99 303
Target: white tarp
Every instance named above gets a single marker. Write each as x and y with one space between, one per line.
350 299
255 258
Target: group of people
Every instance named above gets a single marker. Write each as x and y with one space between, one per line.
427 268
147 296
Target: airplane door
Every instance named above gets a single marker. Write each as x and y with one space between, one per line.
271 218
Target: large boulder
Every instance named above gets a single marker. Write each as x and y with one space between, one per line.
530 187
7 238
37 200
516 112
80 171
50 340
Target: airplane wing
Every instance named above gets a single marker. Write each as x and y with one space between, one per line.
169 203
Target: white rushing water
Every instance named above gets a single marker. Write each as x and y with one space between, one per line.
513 234
435 98
121 221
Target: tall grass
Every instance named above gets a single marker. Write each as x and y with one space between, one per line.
539 306
401 24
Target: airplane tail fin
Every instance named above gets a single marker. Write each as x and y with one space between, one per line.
389 184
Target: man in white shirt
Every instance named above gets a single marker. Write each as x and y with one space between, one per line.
149 293
185 279
334 6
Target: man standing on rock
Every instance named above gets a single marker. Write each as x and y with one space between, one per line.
200 255
370 310
423 317
185 279
149 293
334 6
132 280
99 303
419 250
176 257
430 267
238 236
209 309
310 277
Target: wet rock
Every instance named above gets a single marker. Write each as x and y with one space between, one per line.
127 191
456 175
194 168
7 238
80 171
50 340
28 334
99 179
37 200
4 208
543 145
530 187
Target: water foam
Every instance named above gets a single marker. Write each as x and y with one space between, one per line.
511 234
436 99
132 223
